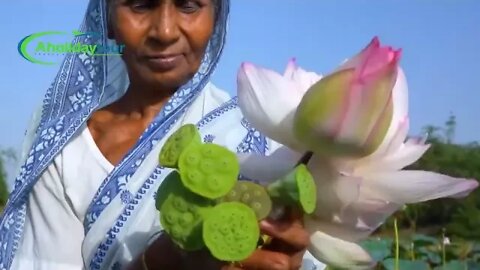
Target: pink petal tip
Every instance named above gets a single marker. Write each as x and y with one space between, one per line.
375 42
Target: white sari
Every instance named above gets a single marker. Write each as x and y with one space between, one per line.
121 218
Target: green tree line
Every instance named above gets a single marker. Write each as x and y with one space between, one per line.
5 155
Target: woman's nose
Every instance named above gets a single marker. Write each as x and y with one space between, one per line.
165 28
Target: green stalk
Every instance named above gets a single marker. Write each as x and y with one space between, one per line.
297 188
397 245
285 190
305 158
444 256
412 251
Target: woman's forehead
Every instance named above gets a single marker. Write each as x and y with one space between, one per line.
159 1
110 4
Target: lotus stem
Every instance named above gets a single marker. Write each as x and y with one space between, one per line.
444 256
305 158
397 245
297 189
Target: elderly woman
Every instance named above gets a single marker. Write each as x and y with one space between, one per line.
84 198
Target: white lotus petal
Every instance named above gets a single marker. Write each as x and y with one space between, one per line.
368 214
357 221
369 163
336 228
302 78
416 140
397 140
339 253
290 69
400 97
403 187
405 156
334 191
268 168
305 79
256 89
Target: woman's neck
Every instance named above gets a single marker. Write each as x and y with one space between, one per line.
117 127
141 102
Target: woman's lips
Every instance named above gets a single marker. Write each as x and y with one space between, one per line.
163 62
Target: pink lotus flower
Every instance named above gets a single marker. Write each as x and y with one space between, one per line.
356 193
346 112
349 111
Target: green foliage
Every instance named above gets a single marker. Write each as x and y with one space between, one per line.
5 155
3 185
389 264
466 221
420 252
3 181
379 249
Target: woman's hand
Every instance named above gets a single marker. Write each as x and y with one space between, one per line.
286 249
162 254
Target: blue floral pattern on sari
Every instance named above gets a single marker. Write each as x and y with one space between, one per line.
78 90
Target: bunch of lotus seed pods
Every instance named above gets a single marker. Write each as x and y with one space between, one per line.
203 204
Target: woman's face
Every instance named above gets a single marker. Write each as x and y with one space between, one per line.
165 40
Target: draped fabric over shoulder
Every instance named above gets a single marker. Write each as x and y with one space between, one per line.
120 217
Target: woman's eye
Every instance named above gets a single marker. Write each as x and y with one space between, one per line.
189 6
140 5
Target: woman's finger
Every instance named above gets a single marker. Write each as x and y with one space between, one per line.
231 267
266 260
202 260
291 233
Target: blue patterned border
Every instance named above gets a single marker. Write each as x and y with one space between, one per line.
259 145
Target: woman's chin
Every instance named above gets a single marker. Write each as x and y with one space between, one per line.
165 81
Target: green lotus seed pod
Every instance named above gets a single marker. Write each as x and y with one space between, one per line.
182 212
231 231
176 144
253 195
298 187
209 170
307 189
168 184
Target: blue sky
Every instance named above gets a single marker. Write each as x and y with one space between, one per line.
440 41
